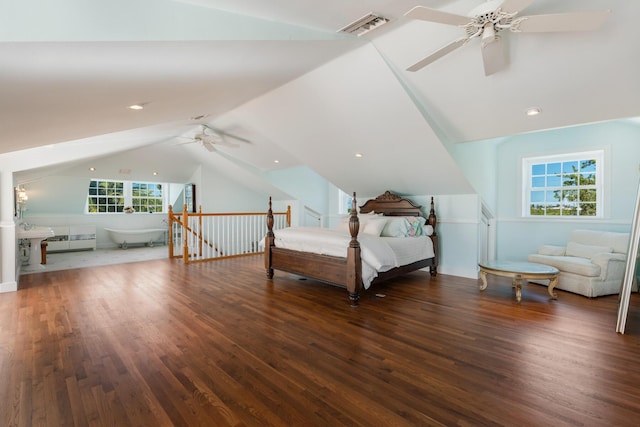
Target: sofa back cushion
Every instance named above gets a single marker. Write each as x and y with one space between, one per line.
586 251
619 242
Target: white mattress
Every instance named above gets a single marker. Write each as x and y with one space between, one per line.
378 254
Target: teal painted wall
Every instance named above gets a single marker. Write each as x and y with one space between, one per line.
516 237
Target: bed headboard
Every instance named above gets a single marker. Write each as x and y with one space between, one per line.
390 204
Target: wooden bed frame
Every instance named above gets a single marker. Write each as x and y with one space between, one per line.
347 272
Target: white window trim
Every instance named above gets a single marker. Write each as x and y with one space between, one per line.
598 155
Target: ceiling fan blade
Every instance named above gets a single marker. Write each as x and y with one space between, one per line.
438 54
576 21
434 15
209 146
236 137
511 6
493 56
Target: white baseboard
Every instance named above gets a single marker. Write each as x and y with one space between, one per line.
8 287
460 272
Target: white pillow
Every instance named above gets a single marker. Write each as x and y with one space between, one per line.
369 224
374 226
586 251
343 225
427 230
396 226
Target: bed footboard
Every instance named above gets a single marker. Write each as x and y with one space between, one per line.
345 272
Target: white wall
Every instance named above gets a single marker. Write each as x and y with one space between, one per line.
458 219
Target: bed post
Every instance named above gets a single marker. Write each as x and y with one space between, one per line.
354 262
433 221
269 242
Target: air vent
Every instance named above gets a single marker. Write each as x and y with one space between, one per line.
364 25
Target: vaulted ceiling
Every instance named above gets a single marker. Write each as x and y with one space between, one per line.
279 74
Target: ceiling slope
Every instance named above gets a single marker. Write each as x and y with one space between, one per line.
330 114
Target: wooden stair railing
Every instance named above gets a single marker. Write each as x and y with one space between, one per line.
188 234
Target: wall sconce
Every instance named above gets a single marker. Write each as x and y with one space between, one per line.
22 195
21 201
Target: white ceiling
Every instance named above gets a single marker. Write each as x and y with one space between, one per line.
278 74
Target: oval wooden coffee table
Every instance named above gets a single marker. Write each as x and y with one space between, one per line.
518 271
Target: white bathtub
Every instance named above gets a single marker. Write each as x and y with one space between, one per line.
146 236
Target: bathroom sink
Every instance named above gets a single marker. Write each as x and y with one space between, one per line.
35 233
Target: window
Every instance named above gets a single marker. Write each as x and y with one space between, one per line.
146 197
567 185
345 202
106 196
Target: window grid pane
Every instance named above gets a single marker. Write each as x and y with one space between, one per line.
110 196
566 188
147 197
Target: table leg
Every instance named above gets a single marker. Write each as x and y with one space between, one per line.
483 277
518 284
552 284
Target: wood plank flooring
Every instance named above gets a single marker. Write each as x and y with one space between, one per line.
158 343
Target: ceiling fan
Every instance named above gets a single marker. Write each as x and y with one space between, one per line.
209 138
490 18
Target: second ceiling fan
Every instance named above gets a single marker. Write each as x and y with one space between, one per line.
209 138
490 18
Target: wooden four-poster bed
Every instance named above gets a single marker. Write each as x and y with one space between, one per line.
385 215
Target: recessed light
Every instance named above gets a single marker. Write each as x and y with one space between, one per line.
136 107
92 169
276 161
155 173
358 155
533 111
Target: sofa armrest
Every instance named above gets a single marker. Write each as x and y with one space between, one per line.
611 264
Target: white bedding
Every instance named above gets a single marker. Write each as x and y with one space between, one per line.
378 254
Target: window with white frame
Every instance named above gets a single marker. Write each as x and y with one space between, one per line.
146 196
105 196
108 196
567 185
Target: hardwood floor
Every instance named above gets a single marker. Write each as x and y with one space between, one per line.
158 343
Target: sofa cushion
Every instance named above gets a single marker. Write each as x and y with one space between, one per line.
551 250
618 241
569 264
586 251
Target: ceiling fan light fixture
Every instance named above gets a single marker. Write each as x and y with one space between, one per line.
489 35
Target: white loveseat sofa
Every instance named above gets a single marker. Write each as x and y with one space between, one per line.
592 263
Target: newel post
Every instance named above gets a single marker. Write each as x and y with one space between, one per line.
288 215
170 231
185 243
